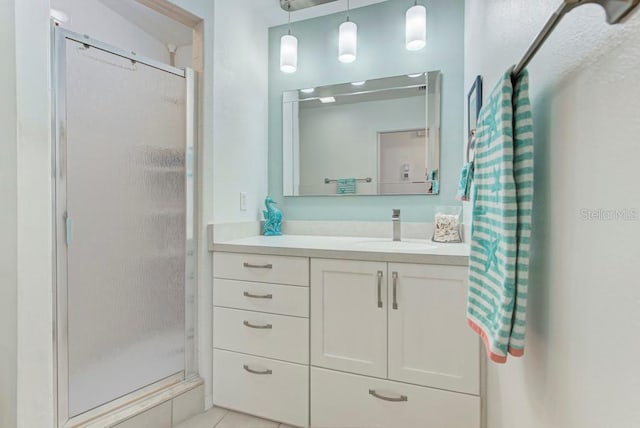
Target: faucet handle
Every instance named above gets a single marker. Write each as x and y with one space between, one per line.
396 213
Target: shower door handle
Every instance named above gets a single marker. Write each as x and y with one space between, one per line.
68 229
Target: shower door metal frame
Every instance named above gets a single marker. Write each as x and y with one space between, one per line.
59 199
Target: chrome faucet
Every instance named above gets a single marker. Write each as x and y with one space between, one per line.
395 219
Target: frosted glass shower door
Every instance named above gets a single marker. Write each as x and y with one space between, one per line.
123 159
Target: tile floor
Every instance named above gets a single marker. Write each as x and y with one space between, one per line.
221 418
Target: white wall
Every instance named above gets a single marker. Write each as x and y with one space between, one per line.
35 267
341 141
184 56
233 135
240 110
580 367
8 220
100 22
205 10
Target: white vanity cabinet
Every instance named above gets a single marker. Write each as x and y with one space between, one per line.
402 324
349 321
261 336
429 341
327 341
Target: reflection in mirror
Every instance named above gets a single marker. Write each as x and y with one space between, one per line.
378 137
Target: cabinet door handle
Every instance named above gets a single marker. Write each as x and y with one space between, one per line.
249 265
382 397
379 288
394 275
263 327
258 296
258 372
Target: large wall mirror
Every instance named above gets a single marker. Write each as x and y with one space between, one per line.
378 137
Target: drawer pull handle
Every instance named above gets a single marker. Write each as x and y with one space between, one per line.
379 288
264 327
249 265
258 372
382 397
395 290
258 296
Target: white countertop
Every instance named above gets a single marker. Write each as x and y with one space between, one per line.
359 248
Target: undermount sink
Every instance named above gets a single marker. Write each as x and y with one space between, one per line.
389 245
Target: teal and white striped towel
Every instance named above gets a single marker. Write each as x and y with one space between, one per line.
345 186
501 225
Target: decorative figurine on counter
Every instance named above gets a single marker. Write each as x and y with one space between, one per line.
272 218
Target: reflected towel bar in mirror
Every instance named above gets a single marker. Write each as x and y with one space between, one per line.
333 180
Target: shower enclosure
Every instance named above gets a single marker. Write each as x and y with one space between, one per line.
125 246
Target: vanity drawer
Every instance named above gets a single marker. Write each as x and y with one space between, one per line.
280 393
267 335
262 268
258 296
341 400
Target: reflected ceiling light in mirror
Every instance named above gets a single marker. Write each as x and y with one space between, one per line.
347 40
289 50
308 90
360 83
326 100
415 75
416 27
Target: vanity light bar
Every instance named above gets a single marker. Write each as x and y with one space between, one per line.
301 4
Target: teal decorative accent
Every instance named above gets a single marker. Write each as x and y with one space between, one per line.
464 186
345 186
501 225
272 218
497 185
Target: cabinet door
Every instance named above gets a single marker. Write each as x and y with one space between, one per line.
349 316
429 341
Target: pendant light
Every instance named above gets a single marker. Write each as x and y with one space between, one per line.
347 40
289 50
416 27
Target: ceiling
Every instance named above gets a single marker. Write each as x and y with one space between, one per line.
274 14
169 31
157 25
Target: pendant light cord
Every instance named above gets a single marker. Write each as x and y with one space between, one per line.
289 18
349 9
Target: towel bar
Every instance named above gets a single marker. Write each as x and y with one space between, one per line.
616 10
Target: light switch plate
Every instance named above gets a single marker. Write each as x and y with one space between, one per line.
243 201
